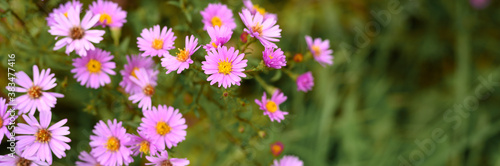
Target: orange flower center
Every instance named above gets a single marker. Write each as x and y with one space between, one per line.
216 21
43 136
149 90
35 92
105 18
225 67
257 28
157 44
316 50
162 128
133 72
113 144
94 66
183 55
271 106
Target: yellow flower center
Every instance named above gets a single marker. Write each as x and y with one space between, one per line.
133 72
113 144
316 50
162 128
144 147
157 44
105 18
257 28
276 149
225 67
183 55
43 136
271 57
35 92
76 33
271 106
213 44
149 90
94 66
66 14
259 9
216 21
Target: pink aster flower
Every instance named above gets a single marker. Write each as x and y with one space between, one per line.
143 145
40 140
87 160
305 82
257 9
479 4
288 161
21 161
147 82
265 30
164 125
63 9
112 15
92 70
76 34
163 159
155 42
4 119
224 66
320 50
271 106
274 58
183 58
134 63
277 148
36 96
108 143
219 36
217 15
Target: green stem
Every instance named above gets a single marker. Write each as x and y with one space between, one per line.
269 89
290 74
247 44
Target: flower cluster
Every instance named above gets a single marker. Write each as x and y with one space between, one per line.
162 127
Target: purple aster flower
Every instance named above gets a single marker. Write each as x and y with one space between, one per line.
257 9
92 70
271 106
40 140
36 96
143 145
164 125
274 58
147 82
305 82
288 160
77 35
217 15
63 9
224 66
183 58
155 42
4 119
219 36
320 50
21 161
134 63
479 4
87 160
112 15
163 159
265 30
108 143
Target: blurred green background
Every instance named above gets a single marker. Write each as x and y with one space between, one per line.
415 82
